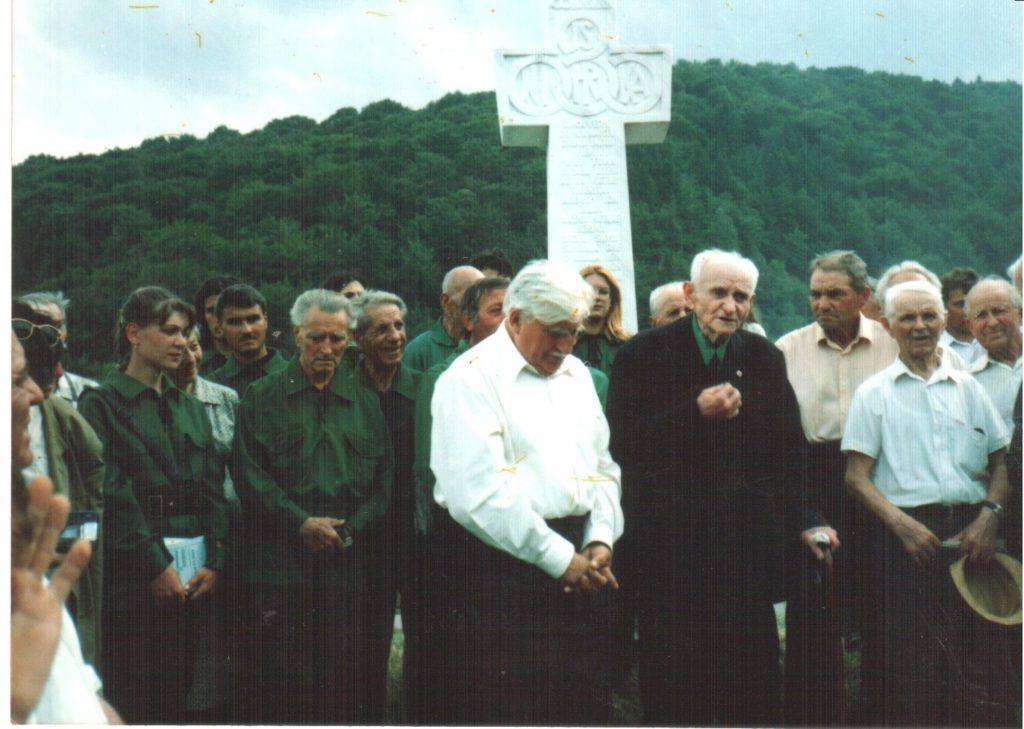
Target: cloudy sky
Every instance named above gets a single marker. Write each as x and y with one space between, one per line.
91 75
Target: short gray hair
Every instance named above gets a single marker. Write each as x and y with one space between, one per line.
906 267
329 302
658 293
911 287
716 256
844 262
549 292
1011 292
40 299
360 307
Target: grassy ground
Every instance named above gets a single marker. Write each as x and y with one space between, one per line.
626 707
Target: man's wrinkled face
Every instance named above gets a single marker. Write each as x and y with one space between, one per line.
321 342
916 325
383 340
834 303
245 330
545 346
955 322
721 299
995 321
489 314
672 306
24 394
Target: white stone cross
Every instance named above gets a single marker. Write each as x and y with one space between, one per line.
586 99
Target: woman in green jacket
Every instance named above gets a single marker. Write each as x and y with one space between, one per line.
162 491
603 333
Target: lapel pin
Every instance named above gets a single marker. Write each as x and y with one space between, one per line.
739 373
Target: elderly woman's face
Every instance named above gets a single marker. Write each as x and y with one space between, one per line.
602 295
188 370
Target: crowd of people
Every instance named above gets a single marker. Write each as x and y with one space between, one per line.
545 498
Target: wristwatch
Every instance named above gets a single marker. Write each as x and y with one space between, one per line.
997 509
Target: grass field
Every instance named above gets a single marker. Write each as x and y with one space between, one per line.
626 707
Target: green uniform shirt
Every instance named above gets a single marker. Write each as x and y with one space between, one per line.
135 487
596 351
302 452
211 362
426 507
237 376
429 348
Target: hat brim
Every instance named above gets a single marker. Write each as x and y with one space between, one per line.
1008 571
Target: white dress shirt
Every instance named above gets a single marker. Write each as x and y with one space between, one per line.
512 448
930 440
1001 382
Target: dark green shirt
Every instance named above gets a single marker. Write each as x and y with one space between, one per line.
596 351
136 487
429 348
212 361
302 452
426 507
238 376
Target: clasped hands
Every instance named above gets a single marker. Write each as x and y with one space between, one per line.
590 570
977 539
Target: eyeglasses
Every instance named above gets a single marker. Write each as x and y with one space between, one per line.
23 330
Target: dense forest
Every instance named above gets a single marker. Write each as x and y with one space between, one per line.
776 162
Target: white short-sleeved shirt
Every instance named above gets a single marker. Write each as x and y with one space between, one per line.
1001 382
511 448
930 440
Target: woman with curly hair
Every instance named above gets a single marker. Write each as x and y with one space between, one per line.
603 333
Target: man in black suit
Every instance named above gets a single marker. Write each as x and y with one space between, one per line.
706 428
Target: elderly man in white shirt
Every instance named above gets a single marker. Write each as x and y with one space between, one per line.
925 452
993 309
520 453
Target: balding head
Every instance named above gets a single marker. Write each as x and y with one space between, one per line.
668 303
453 287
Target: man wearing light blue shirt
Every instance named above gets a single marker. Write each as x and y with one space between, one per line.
925 455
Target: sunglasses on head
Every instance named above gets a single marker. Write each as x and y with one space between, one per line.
23 329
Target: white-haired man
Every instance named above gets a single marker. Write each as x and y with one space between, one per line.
520 452
993 311
55 304
668 303
925 456
438 342
707 430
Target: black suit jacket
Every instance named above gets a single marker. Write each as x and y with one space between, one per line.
715 502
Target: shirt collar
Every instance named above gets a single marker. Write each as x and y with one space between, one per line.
296 381
129 388
864 331
707 351
232 367
899 369
983 361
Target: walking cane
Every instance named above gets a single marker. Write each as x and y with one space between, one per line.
834 629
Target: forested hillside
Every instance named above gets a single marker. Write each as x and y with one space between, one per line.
770 160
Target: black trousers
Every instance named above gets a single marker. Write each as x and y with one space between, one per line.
928 658
149 656
306 653
508 646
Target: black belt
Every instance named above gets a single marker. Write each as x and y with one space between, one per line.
941 511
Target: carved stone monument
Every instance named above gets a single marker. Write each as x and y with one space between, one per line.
586 98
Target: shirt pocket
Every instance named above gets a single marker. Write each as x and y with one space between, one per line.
284 454
970 448
364 458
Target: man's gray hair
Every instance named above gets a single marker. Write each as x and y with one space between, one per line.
40 299
360 308
1011 293
329 302
893 293
844 262
662 291
716 256
549 292
906 267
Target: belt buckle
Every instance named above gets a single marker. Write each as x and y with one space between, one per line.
155 506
